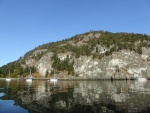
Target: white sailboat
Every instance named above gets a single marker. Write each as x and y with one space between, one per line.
29 79
142 79
8 79
53 79
139 77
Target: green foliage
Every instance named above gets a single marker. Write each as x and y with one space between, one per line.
1 75
27 70
119 40
64 65
12 67
46 74
107 53
15 69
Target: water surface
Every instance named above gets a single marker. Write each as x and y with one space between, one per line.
42 96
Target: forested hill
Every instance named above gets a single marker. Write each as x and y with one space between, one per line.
65 56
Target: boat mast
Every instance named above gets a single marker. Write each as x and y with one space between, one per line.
54 73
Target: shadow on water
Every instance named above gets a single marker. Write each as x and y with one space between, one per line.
41 96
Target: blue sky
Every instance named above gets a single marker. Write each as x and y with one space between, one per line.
25 24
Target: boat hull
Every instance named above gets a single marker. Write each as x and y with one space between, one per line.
29 80
53 80
8 79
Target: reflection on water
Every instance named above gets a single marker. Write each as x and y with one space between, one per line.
41 96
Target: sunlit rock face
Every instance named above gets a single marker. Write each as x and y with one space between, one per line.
120 65
44 63
124 64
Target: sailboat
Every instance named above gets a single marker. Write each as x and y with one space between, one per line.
8 79
29 79
142 79
53 79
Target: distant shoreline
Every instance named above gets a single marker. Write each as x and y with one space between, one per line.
75 79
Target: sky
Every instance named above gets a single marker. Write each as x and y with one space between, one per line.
26 24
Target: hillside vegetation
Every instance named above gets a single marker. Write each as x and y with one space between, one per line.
95 44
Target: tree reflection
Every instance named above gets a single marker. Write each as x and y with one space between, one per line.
79 96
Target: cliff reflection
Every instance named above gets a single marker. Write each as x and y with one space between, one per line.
83 96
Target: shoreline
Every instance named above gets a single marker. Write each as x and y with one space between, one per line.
75 79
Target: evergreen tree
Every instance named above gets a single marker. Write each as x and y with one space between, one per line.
46 74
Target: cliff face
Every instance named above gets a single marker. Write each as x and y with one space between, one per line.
121 63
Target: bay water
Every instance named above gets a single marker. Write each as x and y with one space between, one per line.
103 96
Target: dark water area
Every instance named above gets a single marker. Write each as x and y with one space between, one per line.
43 96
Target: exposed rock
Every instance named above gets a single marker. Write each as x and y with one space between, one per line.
105 56
39 51
120 65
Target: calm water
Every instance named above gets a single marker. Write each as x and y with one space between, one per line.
41 96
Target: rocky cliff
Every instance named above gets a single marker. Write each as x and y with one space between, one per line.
94 55
119 64
122 64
